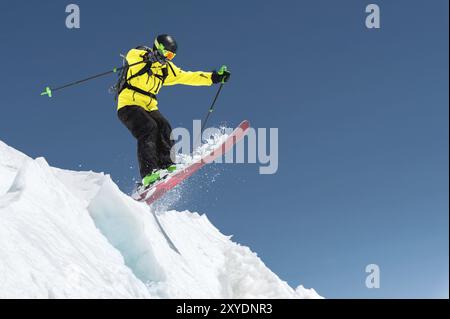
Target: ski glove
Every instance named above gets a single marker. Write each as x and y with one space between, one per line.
221 76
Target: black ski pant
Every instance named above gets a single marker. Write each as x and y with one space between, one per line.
152 132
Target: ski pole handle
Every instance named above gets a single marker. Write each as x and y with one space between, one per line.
222 70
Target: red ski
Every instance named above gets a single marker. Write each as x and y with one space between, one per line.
156 191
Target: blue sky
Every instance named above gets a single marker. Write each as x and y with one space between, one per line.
362 117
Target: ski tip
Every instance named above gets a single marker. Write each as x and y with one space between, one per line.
244 124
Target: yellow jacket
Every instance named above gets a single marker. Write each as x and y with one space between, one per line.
153 83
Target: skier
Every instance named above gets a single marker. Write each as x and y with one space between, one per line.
138 105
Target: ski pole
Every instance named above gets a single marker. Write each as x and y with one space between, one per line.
49 91
211 109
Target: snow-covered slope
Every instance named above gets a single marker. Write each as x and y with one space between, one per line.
66 234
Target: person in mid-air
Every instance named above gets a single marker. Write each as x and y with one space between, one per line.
148 70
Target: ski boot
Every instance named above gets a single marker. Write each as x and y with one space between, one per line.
172 168
157 175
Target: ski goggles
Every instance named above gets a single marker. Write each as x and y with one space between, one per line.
169 55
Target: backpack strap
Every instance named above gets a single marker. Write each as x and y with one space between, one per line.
145 69
165 73
136 89
171 68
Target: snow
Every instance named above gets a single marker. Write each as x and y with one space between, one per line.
67 234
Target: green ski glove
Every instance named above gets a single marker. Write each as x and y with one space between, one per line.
221 76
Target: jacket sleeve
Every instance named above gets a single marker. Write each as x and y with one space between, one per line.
178 76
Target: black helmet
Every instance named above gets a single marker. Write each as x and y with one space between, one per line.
166 46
